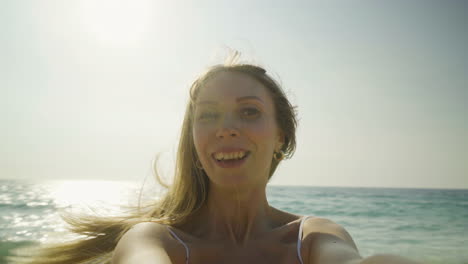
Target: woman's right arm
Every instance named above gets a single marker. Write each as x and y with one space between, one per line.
142 244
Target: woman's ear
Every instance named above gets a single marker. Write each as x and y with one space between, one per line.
280 141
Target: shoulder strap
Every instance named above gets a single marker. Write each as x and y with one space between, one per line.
187 251
299 238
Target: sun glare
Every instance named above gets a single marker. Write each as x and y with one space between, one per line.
92 193
116 23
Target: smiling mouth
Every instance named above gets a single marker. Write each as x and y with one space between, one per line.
231 161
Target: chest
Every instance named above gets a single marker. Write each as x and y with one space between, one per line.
265 252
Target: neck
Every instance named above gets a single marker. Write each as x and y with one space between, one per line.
236 213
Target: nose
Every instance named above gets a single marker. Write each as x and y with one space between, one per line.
227 129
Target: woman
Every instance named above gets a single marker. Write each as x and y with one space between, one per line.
238 126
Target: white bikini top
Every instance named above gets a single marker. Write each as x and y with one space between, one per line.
299 240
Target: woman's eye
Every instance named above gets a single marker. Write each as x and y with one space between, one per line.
207 115
250 112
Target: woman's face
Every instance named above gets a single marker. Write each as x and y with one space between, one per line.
234 130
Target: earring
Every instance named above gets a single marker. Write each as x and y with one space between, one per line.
198 164
278 156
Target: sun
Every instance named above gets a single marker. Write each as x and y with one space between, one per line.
116 23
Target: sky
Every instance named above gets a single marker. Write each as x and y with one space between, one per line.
96 89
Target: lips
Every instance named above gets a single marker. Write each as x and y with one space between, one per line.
231 158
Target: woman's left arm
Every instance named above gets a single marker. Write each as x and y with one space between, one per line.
330 243
390 259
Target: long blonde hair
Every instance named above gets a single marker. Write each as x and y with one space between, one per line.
184 197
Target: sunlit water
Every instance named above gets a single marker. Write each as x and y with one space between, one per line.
427 225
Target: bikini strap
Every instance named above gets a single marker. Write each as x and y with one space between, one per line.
187 251
299 238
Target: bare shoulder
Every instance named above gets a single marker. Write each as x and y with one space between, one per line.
315 225
328 242
143 243
146 231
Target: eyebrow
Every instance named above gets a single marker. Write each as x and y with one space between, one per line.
240 99
252 97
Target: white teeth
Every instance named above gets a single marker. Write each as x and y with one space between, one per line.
230 155
219 156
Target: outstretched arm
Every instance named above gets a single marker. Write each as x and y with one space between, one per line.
390 259
330 243
137 246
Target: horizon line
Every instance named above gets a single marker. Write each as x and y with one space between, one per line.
272 184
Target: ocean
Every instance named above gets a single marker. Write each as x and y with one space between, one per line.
429 225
